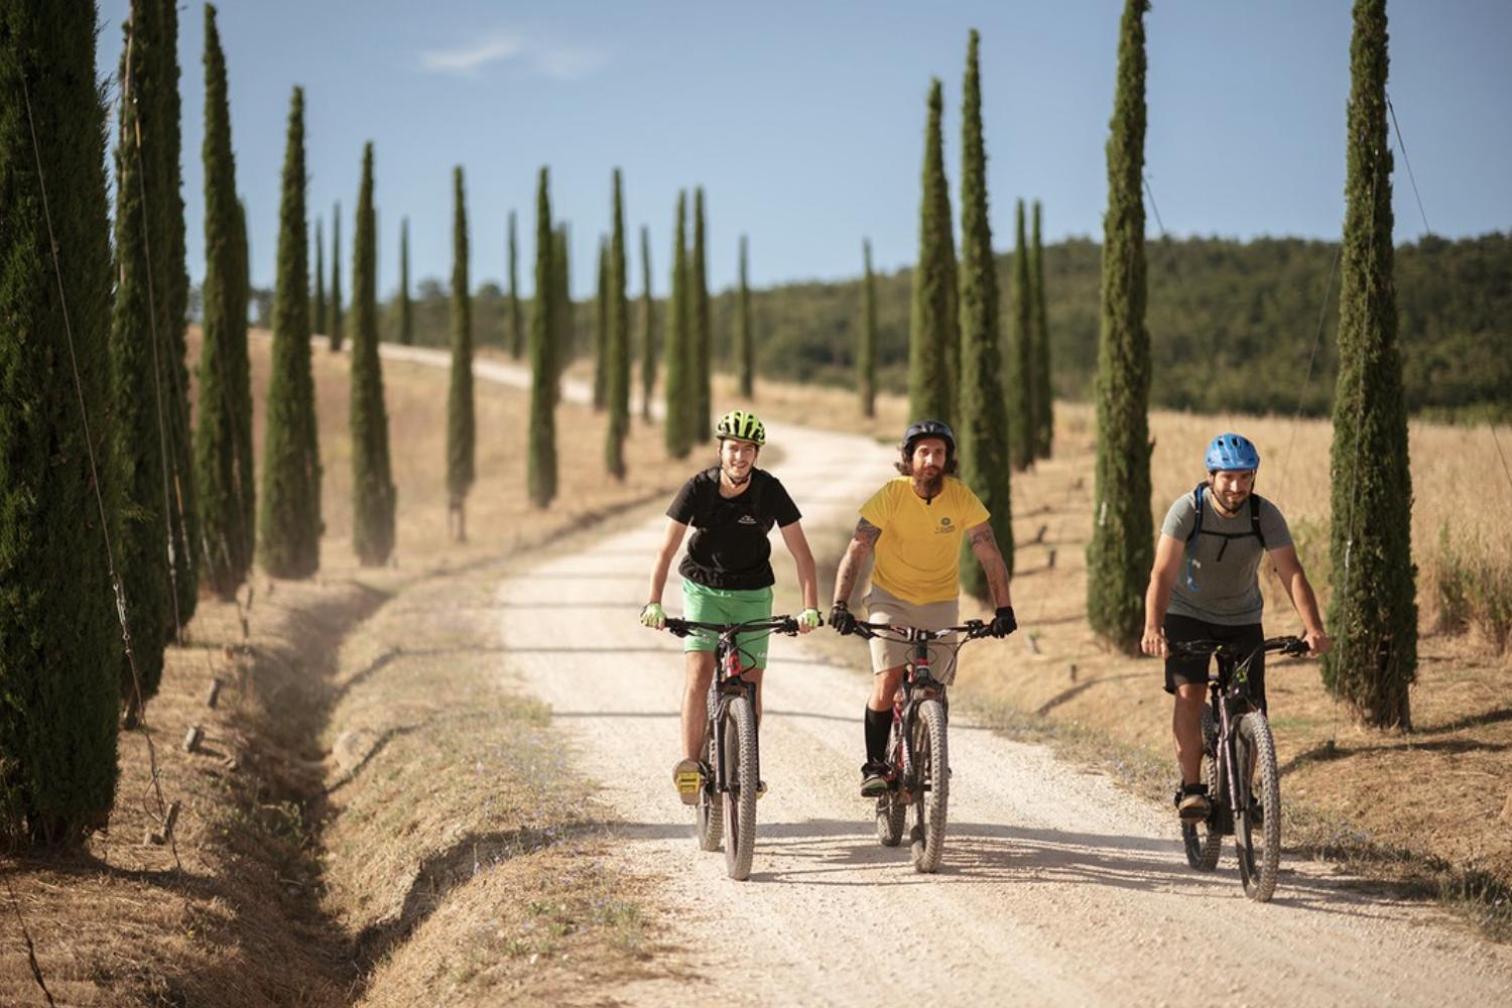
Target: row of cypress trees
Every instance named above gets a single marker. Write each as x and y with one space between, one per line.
995 393
1372 611
688 348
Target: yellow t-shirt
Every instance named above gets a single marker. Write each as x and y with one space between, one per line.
919 553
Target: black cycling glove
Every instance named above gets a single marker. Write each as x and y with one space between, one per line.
842 619
1003 622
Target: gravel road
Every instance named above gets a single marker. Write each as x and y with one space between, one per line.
1056 887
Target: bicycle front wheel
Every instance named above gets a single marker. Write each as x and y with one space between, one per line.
741 785
932 786
1260 792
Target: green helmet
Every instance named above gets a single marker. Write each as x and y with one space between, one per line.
742 426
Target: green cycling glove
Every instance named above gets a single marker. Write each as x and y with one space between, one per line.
810 619
653 616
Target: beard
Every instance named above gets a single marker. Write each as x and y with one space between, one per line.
930 482
736 479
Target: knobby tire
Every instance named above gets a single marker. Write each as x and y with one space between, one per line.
1204 840
932 794
740 793
710 811
1258 869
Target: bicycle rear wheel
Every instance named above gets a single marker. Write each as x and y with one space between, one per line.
740 790
1261 790
932 786
1204 840
710 813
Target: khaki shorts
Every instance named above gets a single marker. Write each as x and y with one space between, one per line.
882 607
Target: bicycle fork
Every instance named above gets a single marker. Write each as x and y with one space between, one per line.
720 697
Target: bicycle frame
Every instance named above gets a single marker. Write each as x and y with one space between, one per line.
917 686
728 682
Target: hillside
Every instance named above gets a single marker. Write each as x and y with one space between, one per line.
1232 324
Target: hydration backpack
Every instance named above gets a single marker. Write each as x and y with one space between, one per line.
1197 530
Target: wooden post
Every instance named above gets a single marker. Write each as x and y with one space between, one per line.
162 834
192 738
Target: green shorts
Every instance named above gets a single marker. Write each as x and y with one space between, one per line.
728 605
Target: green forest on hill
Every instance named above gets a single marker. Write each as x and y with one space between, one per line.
1232 324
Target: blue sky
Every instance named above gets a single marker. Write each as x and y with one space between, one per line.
804 122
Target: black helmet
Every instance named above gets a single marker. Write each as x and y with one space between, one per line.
929 429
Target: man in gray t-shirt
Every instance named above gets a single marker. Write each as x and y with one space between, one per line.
1206 586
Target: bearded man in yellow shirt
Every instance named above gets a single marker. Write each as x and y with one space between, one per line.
914 525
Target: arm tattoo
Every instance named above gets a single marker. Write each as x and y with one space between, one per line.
861 544
985 546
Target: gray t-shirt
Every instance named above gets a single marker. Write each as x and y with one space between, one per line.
1228 590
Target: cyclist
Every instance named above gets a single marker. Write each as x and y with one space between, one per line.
727 572
915 525
1205 585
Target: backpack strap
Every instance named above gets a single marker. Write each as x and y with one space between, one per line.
1197 525
1254 502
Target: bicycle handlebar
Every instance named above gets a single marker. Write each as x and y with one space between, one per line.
973 629
1289 645
776 624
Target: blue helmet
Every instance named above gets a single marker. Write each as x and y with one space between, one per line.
1232 452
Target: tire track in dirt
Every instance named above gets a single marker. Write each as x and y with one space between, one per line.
1055 887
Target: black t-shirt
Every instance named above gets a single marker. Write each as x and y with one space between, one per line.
729 547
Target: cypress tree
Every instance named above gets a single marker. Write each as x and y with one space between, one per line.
1020 384
601 328
318 319
1122 546
335 334
678 388
648 327
372 484
139 402
701 428
982 421
242 390
563 348
460 429
745 344
166 213
866 353
59 640
1372 612
541 463
1044 393
932 331
516 328
289 507
406 310
220 469
617 346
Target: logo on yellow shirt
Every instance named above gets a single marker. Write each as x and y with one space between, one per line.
945 526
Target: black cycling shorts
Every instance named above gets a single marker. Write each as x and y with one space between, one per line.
1180 670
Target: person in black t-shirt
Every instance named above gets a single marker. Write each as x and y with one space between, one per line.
727 572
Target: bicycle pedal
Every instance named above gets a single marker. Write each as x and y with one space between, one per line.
688 777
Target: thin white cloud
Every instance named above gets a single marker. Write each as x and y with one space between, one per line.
468 60
559 62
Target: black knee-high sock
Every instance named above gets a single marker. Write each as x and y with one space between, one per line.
878 727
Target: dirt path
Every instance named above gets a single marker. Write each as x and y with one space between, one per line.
1056 887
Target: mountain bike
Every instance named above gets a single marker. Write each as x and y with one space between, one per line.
1239 768
730 756
918 752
